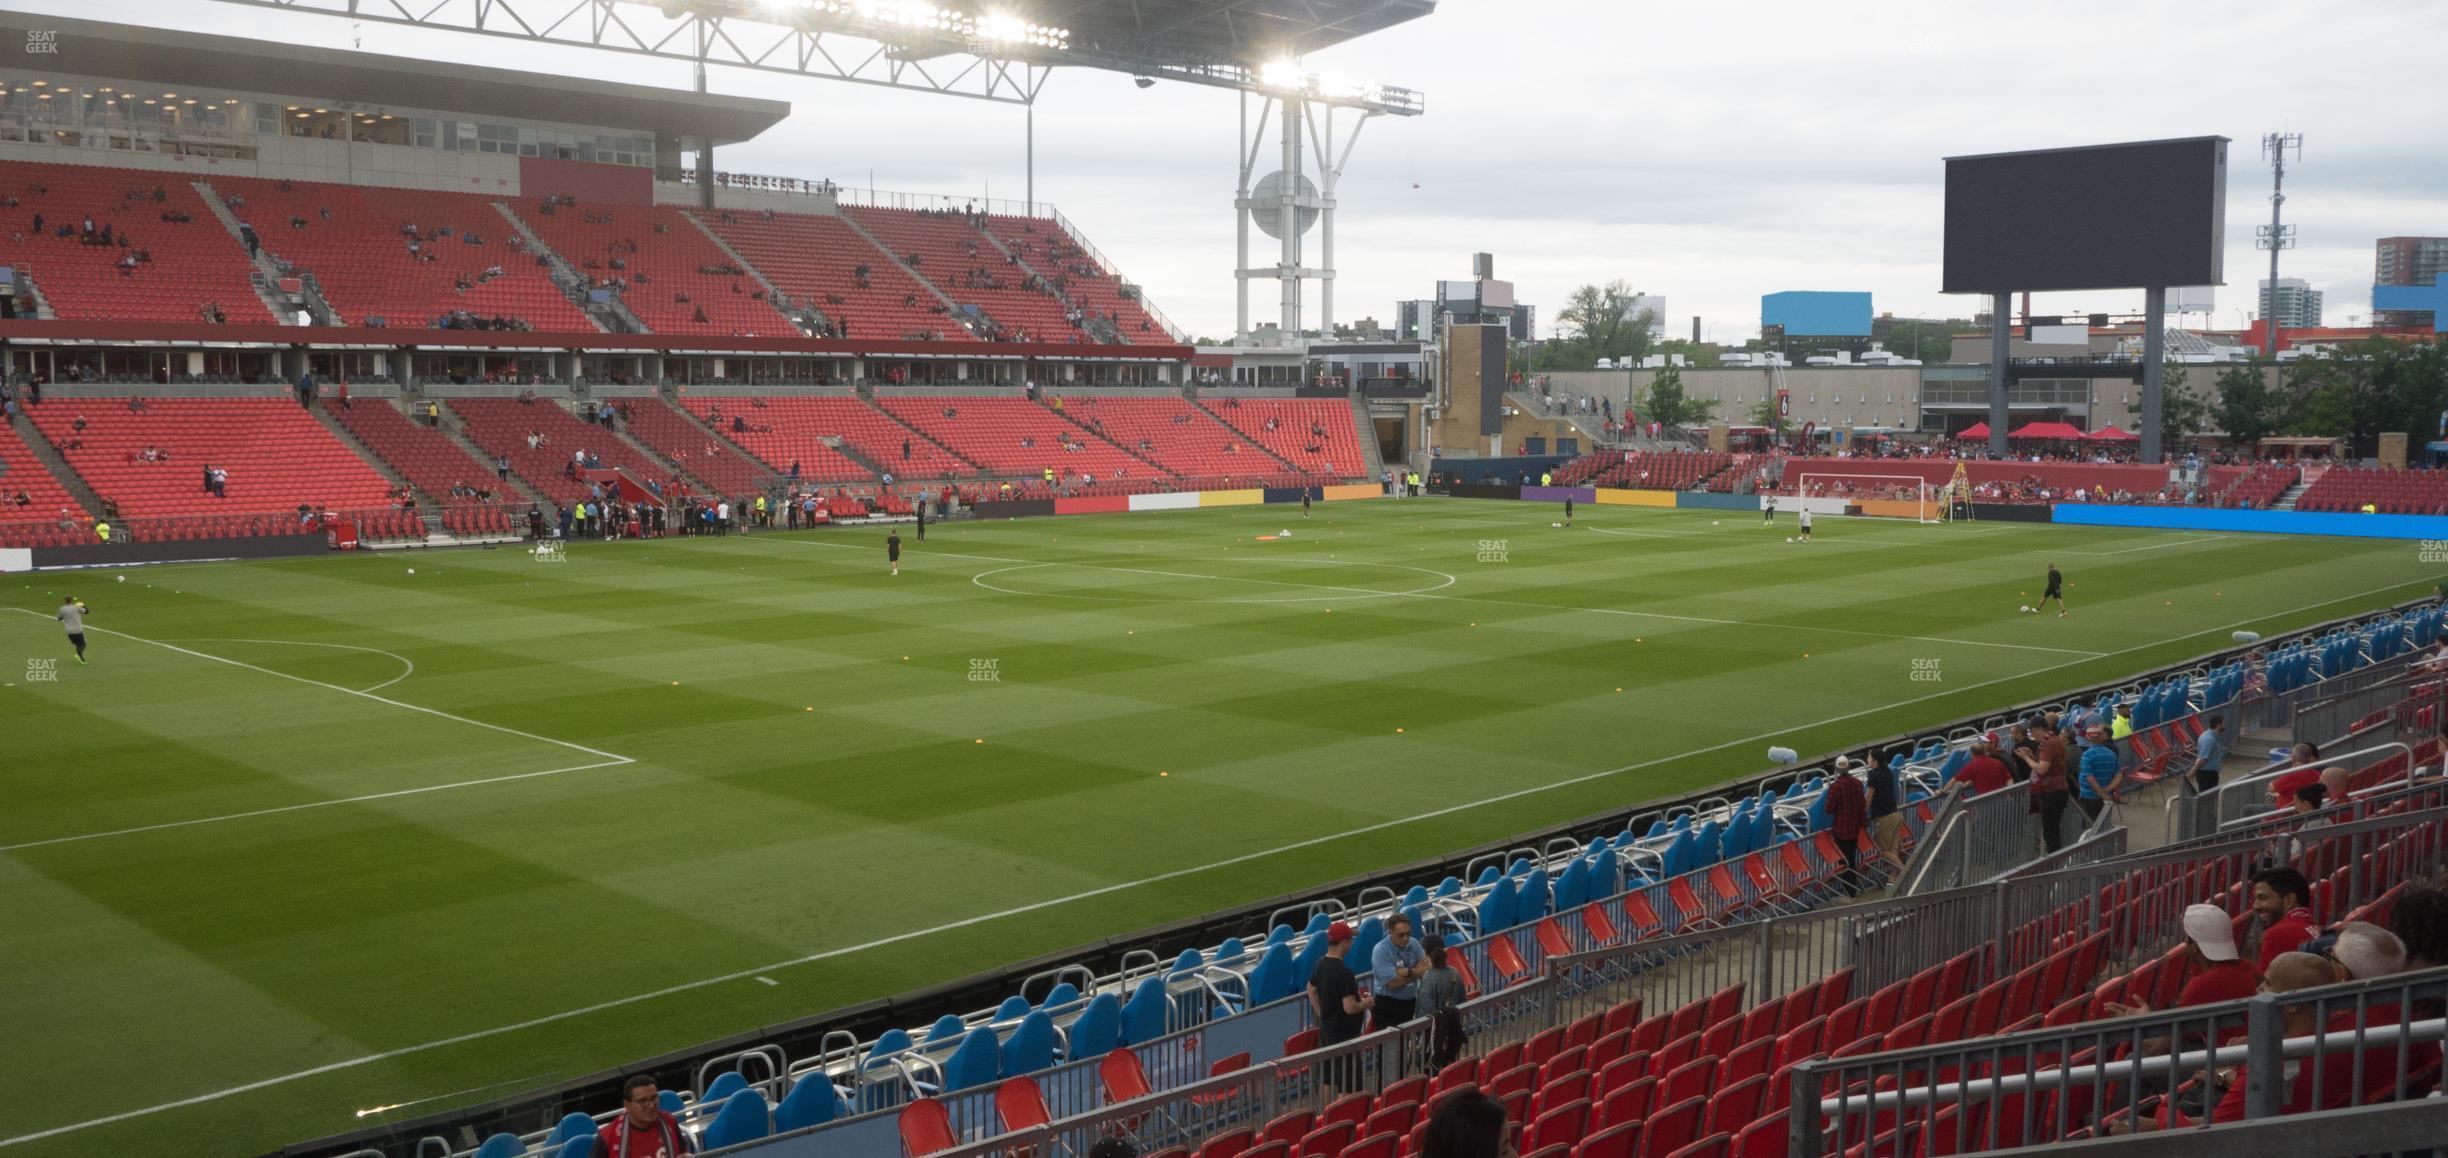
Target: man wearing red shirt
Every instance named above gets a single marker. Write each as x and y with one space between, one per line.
1984 772
2220 972
643 1130
1848 813
2281 900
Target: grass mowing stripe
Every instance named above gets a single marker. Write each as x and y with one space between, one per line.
755 972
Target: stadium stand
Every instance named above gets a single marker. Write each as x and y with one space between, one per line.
423 455
669 274
955 258
817 260
2389 491
32 502
1020 438
1646 470
1183 438
501 426
2258 486
1045 248
278 457
188 262
669 432
781 431
462 256
1299 424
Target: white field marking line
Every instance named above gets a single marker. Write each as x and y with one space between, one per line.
1176 874
612 757
312 804
405 662
1363 591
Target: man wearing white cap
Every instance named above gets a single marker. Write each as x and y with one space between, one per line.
2220 971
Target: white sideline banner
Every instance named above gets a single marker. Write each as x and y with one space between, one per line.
1178 501
16 559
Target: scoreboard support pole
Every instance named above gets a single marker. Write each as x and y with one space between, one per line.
2001 331
2154 369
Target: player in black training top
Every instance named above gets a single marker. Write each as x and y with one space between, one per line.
2056 591
892 550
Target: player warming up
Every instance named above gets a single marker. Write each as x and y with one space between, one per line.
2056 591
72 615
892 550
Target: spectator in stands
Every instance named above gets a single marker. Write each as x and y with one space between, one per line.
2361 951
1335 997
2281 901
1984 772
2336 786
2120 733
2209 751
1848 815
2097 777
1465 1125
1396 966
2051 783
2220 972
643 1129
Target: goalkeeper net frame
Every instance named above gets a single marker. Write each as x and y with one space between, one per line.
1932 502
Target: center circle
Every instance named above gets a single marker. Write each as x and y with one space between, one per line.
1343 594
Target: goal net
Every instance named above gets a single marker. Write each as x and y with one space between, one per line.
1900 496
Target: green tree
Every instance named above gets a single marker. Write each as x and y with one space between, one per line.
2247 409
1765 414
2182 412
1599 322
1665 401
1925 341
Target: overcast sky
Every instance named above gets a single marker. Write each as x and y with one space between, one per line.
1708 152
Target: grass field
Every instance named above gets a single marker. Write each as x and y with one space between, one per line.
313 836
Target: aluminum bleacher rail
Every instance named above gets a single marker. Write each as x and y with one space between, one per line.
2277 712
1888 941
1974 841
2388 1128
2336 717
2041 1085
2239 797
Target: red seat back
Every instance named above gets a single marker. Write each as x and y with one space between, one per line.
926 1128
1124 1077
1021 1104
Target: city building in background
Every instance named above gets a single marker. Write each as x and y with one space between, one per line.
2407 261
2295 303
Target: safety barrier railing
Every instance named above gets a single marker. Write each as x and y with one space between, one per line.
2387 1128
2356 1043
2350 714
1976 840
2276 712
2239 796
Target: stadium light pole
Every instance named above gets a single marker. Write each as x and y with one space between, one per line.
2001 330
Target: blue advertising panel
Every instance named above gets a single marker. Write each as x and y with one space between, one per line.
1818 314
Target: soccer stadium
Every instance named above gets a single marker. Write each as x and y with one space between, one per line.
524 641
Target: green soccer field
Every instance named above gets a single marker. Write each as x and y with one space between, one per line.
315 836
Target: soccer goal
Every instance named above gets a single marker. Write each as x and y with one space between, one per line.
1888 495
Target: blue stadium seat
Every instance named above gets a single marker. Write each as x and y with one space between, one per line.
1531 900
946 1028
1229 953
572 1125
743 1118
577 1148
1496 908
1063 993
1572 886
812 1102
500 1146
671 1102
978 1061
1272 979
1013 1008
1364 943
723 1086
1031 1045
1097 1031
1305 962
1143 1017
1188 961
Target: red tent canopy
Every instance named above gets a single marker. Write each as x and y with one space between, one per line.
2112 434
2045 430
1974 432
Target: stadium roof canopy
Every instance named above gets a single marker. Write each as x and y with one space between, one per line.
990 49
176 57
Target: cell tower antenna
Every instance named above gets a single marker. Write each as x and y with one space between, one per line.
2276 236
